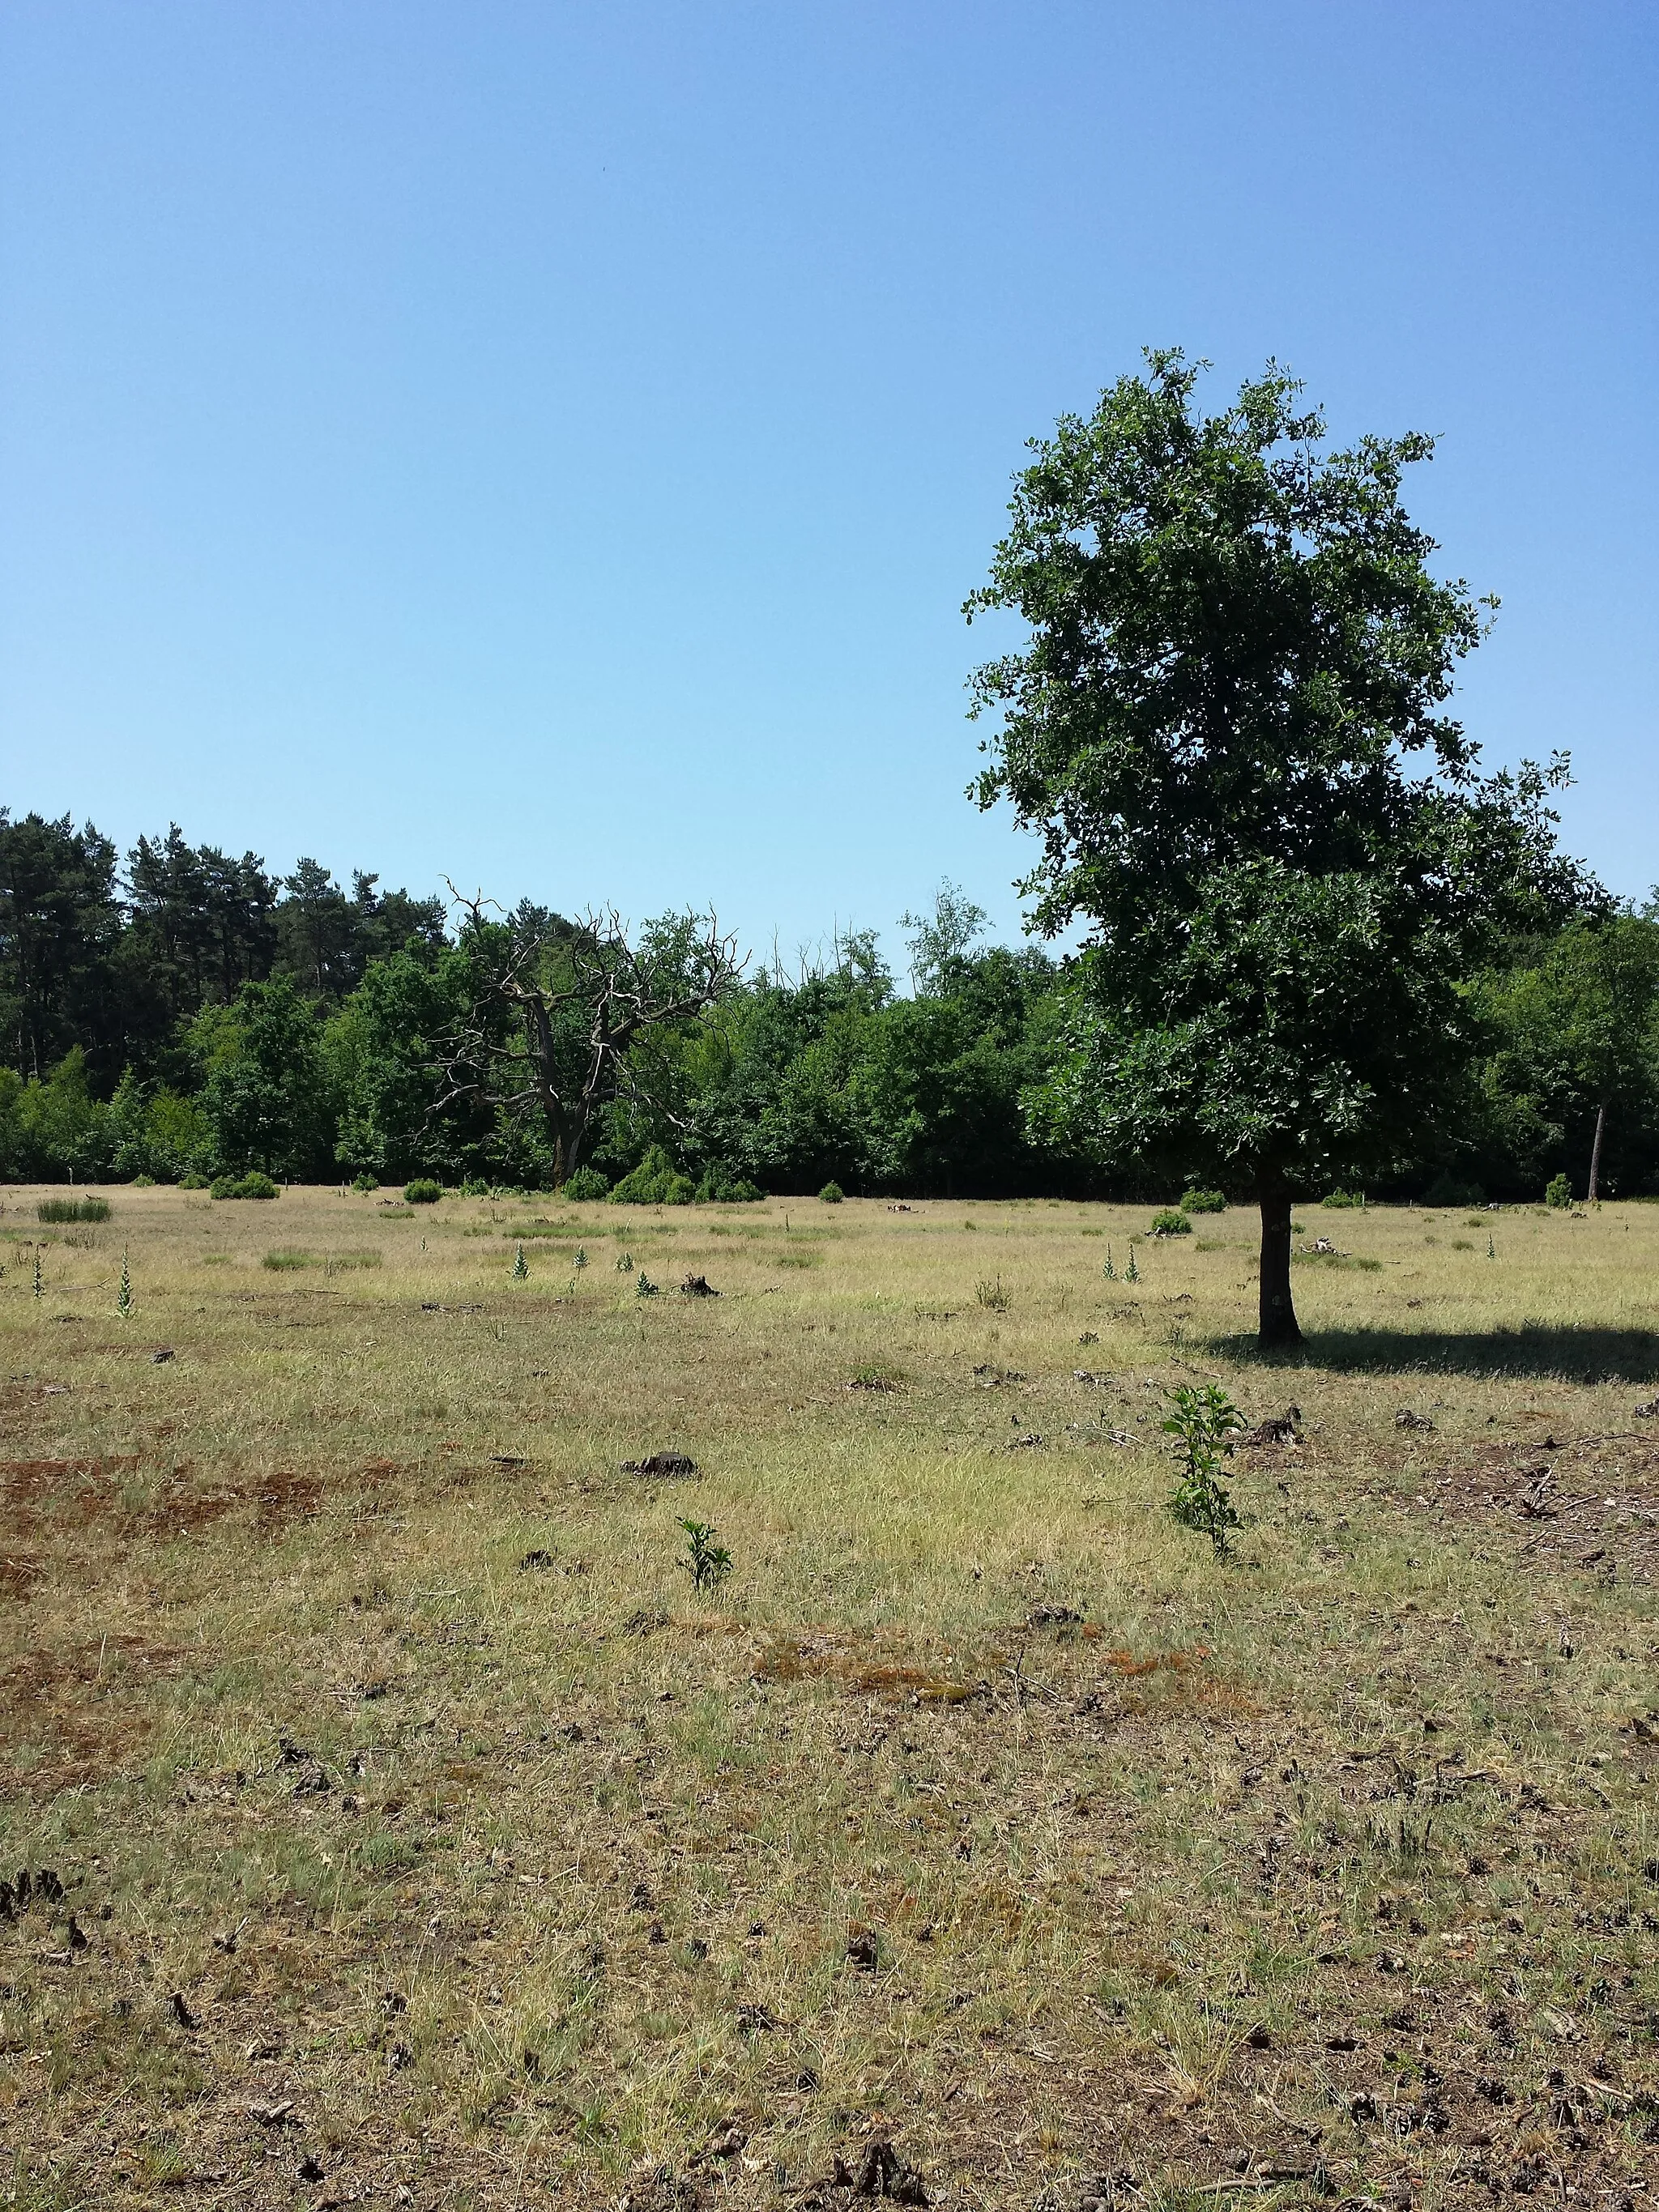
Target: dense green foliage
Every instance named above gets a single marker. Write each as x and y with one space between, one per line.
1203 1202
253 1184
182 1025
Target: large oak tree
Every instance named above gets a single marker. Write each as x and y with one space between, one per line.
1227 725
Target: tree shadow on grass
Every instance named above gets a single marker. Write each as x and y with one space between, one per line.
1543 1350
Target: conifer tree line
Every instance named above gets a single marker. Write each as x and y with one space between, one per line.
184 1012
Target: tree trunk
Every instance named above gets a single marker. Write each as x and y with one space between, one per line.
1596 1154
1276 1325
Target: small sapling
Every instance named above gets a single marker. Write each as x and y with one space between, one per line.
707 1562
1202 1421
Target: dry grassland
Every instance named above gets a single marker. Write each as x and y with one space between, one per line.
424 1839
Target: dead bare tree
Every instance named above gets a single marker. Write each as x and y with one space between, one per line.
559 1007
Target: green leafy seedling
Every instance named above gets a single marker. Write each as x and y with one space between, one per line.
707 1562
1201 1420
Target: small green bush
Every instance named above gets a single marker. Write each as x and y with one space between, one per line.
143 1182
72 1209
1203 1202
192 1181
422 1192
719 1186
587 1183
832 1194
1558 1194
1170 1222
252 1185
655 1182
365 1184
1338 1198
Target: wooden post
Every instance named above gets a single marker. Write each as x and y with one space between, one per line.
1596 1154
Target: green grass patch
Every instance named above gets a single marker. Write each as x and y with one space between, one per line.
72 1209
334 1262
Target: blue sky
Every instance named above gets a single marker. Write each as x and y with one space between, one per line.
550 445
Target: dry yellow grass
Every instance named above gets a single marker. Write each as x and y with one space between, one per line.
424 1838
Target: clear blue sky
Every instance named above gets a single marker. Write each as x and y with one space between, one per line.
550 445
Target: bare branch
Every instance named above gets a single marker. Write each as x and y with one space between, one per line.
565 1007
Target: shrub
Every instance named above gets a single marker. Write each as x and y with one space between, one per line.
365 1184
422 1192
72 1209
1337 1198
1558 1193
191 1180
252 1185
832 1194
719 1186
586 1184
143 1182
655 1182
1169 1223
991 1296
1203 1202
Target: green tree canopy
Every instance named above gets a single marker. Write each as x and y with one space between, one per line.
1575 1024
266 1092
1227 724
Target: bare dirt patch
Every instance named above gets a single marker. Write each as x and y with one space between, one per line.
1587 1504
